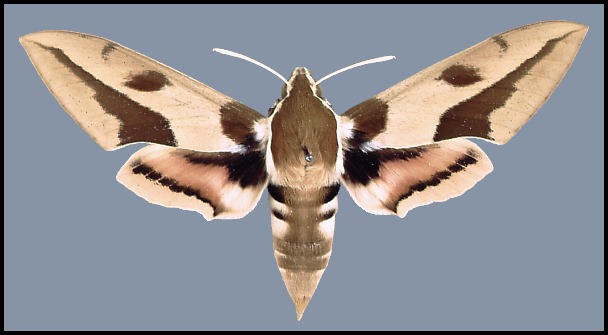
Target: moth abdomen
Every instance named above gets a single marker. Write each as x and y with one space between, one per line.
303 219
303 223
302 256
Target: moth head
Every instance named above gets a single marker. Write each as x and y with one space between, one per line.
301 81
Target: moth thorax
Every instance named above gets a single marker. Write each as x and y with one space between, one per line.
309 177
304 144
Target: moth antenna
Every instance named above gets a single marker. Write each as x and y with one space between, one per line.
249 59
365 62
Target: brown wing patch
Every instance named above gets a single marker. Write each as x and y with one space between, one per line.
460 75
237 121
502 43
147 81
107 49
369 117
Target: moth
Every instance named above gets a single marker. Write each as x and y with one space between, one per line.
403 148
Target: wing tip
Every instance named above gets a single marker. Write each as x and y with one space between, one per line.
31 37
28 39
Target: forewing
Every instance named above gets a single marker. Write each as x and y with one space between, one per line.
119 96
488 91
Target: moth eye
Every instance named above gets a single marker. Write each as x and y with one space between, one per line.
307 155
318 91
284 91
271 109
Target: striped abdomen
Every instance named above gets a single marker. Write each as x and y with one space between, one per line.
302 229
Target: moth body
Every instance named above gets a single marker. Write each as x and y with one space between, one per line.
303 185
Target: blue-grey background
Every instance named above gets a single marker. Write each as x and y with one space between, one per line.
524 249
